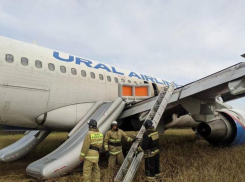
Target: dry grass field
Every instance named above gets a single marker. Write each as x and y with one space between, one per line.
183 158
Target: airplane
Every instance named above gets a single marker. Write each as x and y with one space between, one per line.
44 90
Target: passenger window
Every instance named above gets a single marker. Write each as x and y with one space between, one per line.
92 75
108 78
63 69
129 81
24 61
9 58
122 80
116 79
135 83
38 64
73 71
101 77
83 73
51 66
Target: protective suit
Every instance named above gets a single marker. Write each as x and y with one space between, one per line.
90 153
113 147
150 146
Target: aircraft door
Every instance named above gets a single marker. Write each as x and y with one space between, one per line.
156 92
154 88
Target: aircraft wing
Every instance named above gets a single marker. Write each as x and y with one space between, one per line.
228 83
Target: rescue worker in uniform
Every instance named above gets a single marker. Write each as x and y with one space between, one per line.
113 147
90 152
150 146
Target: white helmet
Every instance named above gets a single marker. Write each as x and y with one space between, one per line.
114 123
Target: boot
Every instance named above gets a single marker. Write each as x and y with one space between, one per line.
150 179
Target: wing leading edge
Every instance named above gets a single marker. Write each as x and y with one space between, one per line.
228 83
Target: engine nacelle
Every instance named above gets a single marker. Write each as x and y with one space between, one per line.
228 128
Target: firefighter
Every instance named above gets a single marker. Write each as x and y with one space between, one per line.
150 146
113 147
90 152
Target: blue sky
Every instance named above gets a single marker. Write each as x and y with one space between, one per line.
174 40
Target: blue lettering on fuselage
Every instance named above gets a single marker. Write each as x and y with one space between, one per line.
102 66
112 69
142 76
149 78
115 71
166 83
57 56
86 62
158 81
133 74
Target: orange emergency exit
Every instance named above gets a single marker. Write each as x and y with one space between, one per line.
141 91
127 91
134 91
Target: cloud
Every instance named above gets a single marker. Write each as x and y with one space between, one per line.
174 40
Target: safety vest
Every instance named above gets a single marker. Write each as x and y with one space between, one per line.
92 144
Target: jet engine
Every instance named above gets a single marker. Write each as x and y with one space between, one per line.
228 128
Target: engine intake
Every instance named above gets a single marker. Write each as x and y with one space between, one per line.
225 129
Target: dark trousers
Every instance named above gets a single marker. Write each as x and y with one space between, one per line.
152 165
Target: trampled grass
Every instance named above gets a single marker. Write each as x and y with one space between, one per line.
183 158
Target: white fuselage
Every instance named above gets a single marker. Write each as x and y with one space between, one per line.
27 90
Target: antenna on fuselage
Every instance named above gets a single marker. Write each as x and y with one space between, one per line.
34 42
